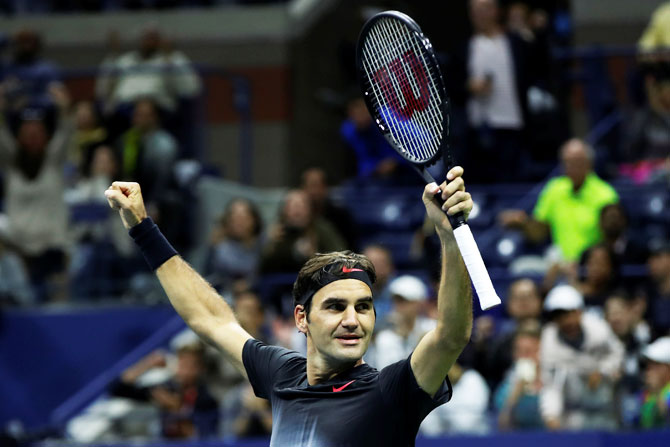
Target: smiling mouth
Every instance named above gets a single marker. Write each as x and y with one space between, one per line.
349 339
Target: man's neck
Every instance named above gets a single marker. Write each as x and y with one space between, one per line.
319 370
490 32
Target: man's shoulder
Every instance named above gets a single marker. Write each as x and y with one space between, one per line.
600 186
557 184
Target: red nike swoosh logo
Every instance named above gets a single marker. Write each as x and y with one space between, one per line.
336 390
349 270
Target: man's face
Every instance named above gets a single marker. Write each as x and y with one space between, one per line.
618 315
189 368
656 375
524 301
484 14
341 321
659 266
297 211
249 311
612 221
33 137
314 184
381 259
144 116
576 162
569 324
527 347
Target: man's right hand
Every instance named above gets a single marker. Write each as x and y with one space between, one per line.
127 198
512 218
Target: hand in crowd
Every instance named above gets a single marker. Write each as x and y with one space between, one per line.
60 96
166 399
512 218
480 87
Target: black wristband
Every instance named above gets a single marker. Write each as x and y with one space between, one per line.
153 245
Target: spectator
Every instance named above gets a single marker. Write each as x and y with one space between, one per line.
236 245
382 259
315 184
600 276
153 71
226 380
89 134
655 409
14 285
254 416
28 79
187 409
620 315
407 326
466 412
569 206
495 351
498 77
101 253
297 236
646 148
657 290
374 156
657 34
581 360
34 185
626 245
517 399
148 152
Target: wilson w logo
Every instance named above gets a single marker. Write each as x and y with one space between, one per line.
393 79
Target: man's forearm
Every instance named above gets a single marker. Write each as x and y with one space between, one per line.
454 298
192 297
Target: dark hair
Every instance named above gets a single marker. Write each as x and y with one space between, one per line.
255 214
311 273
614 262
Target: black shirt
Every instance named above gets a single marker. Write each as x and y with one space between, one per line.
360 407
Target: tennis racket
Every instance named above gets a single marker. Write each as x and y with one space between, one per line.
404 92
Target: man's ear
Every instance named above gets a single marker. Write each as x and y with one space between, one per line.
300 318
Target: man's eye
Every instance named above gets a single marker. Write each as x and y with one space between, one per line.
363 307
335 306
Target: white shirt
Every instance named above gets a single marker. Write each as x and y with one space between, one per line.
491 57
162 77
389 347
465 412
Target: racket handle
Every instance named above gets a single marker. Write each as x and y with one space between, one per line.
476 268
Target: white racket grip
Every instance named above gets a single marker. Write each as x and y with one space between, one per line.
476 268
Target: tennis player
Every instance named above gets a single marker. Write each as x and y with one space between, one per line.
331 397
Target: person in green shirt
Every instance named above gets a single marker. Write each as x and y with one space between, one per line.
655 405
569 206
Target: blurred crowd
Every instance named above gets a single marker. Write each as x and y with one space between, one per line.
580 344
79 6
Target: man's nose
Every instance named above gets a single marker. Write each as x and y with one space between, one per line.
350 318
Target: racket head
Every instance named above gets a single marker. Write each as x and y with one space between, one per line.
403 87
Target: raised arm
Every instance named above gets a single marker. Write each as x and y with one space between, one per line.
439 348
192 297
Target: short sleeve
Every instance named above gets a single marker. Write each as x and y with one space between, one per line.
398 385
542 211
264 364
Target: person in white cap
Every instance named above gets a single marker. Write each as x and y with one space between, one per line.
581 362
655 409
408 326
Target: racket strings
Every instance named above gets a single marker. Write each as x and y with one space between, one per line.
389 90
417 127
399 130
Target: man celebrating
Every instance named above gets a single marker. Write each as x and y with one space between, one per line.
331 397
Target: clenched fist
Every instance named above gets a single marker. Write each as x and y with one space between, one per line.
127 198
